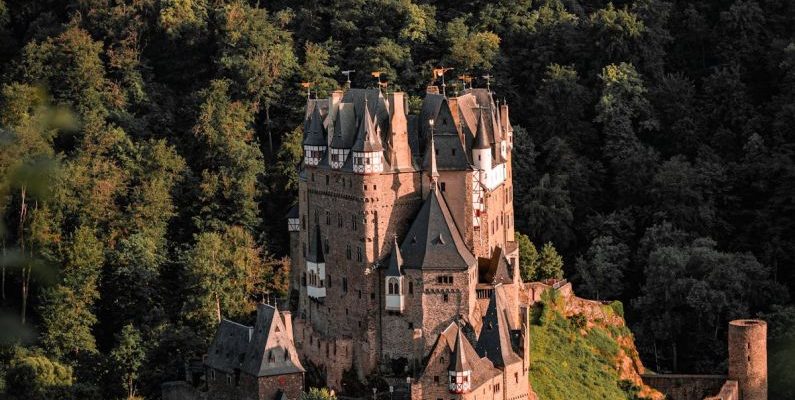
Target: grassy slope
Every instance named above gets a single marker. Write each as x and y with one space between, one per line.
569 362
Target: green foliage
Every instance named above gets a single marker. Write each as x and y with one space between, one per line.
528 257
317 394
602 268
127 357
568 365
550 265
34 376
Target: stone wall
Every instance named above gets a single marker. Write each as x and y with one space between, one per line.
729 391
685 387
292 385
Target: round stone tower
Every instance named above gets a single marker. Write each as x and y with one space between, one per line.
748 357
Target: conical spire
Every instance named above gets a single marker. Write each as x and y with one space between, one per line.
459 361
395 260
481 137
314 134
369 140
316 253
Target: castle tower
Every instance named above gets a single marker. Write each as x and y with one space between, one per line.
748 357
460 371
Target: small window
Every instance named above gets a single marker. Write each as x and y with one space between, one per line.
327 179
436 379
358 253
452 151
348 252
328 218
411 287
359 292
345 285
445 297
443 186
411 325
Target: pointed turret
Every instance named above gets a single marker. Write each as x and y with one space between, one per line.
481 149
368 150
460 369
314 137
395 260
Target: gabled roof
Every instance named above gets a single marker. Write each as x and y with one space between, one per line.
266 349
434 241
271 350
482 368
495 339
344 127
229 345
496 269
395 260
315 253
314 132
451 154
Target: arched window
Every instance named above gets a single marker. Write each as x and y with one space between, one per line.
393 286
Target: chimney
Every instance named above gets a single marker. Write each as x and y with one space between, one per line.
431 89
399 150
287 318
453 103
336 96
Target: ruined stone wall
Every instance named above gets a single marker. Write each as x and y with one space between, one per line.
748 357
685 387
729 391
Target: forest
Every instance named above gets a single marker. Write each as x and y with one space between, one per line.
148 153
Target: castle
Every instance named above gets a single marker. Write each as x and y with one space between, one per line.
405 267
404 261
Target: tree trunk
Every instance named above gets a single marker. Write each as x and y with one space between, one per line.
26 266
4 271
218 307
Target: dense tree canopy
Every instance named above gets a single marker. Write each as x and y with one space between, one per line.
147 154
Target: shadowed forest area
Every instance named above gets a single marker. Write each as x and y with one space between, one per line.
148 153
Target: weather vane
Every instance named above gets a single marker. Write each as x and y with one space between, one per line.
307 85
377 76
464 80
439 73
347 74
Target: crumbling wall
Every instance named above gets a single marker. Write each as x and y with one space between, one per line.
685 387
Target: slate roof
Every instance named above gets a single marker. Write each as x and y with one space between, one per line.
315 253
434 241
293 212
228 348
481 367
481 138
395 260
271 351
344 127
314 132
496 269
495 337
263 350
451 154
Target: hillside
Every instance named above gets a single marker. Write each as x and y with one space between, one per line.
582 349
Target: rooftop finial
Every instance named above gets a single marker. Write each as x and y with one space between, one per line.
347 74
307 85
488 77
377 76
